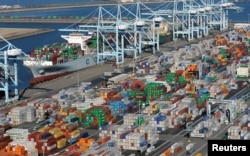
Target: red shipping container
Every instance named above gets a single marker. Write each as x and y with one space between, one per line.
72 109
48 139
60 137
45 107
3 145
50 143
177 149
184 110
72 128
5 139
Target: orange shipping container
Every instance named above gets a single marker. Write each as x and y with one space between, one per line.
167 152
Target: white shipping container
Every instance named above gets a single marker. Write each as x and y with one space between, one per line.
189 146
242 71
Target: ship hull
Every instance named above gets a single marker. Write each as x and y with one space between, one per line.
42 73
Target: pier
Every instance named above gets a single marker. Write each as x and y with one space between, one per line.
14 33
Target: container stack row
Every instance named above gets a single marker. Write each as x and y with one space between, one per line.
17 134
160 122
66 97
240 129
48 140
131 137
202 129
4 122
15 150
29 146
19 115
148 67
43 106
150 133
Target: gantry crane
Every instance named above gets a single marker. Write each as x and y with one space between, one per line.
8 74
230 112
117 35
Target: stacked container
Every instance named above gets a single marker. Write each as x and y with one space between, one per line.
45 142
135 141
17 134
19 115
4 122
15 150
71 132
160 122
150 133
4 140
59 136
44 105
82 106
151 109
85 144
129 119
28 145
97 101
118 108
234 132
154 90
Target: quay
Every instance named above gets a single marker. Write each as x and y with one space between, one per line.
14 33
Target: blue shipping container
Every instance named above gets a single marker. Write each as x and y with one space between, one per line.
45 135
110 144
74 119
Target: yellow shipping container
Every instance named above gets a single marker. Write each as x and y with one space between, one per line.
61 143
42 129
188 115
57 135
198 154
75 133
55 130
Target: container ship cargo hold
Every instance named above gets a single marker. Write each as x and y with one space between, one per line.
60 59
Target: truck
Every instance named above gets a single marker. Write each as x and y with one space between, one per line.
190 149
150 149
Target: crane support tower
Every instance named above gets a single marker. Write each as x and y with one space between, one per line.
9 55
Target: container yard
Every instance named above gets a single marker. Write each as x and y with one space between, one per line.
149 105
163 107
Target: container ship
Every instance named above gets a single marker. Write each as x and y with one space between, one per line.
60 59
